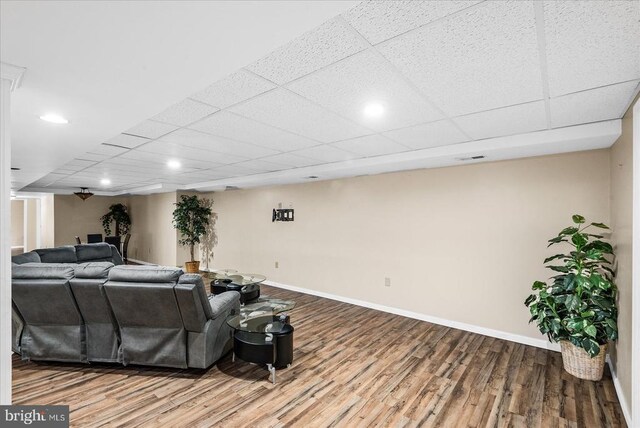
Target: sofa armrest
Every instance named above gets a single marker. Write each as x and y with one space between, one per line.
115 256
225 304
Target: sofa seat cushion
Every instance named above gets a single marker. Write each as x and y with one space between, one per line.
93 252
30 257
65 254
145 274
92 270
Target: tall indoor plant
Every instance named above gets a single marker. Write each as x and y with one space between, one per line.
578 307
118 214
191 218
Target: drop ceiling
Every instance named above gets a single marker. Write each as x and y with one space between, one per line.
455 78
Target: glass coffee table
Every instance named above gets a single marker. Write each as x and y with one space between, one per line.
247 284
263 334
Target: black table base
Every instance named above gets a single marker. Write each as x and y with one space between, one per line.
275 350
250 294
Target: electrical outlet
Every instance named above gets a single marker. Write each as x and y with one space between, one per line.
387 282
277 264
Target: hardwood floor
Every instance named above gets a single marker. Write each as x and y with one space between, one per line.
352 367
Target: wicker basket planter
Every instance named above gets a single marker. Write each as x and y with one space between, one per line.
576 361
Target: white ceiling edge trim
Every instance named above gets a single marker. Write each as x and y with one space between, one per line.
563 140
598 135
13 73
144 190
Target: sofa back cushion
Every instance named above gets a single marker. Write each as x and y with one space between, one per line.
65 254
93 270
30 257
100 251
42 271
45 301
146 274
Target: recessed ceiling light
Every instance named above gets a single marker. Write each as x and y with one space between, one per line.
105 181
374 110
54 118
174 164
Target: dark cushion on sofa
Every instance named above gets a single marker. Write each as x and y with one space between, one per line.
93 252
65 254
42 271
92 269
151 274
30 257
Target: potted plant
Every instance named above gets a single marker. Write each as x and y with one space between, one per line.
118 214
578 306
191 218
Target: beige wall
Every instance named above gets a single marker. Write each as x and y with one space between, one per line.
17 223
621 224
75 217
153 238
462 243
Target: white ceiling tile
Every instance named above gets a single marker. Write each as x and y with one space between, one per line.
591 43
94 157
151 129
326 153
370 145
48 179
381 20
324 45
186 163
504 121
185 112
234 88
128 141
594 105
485 57
433 134
105 149
189 138
291 160
365 78
233 171
260 165
229 125
78 164
286 110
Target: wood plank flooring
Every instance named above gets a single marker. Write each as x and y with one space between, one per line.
353 367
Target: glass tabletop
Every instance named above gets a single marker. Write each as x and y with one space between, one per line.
260 324
267 305
229 275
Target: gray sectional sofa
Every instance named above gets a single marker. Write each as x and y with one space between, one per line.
97 312
82 253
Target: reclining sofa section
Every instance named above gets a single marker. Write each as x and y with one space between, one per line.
95 312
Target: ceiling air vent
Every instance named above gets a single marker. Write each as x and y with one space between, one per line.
471 158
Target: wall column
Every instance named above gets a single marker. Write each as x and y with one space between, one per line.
9 80
635 273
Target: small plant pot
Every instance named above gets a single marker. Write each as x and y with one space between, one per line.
192 267
577 362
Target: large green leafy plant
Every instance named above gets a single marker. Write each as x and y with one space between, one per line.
579 304
118 214
191 218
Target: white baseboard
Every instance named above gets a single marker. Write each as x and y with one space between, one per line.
140 262
539 343
621 397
